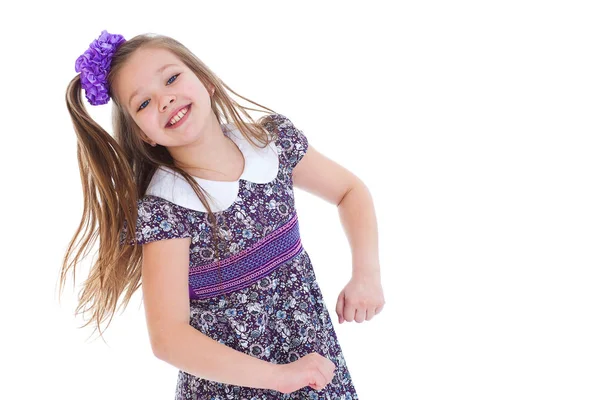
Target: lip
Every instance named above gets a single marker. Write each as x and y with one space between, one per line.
174 113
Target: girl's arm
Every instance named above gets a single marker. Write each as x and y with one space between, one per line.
165 268
362 297
321 176
195 353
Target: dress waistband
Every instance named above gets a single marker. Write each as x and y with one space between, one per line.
248 266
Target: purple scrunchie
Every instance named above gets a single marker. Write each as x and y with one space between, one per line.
94 65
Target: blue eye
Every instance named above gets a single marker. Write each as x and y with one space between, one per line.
174 76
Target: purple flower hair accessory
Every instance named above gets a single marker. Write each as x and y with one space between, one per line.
94 65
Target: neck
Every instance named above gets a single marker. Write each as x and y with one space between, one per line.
212 155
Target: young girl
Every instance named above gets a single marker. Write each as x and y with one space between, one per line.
198 205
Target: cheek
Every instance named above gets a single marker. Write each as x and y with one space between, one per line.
198 92
149 122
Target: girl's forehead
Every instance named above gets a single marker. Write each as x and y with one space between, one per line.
149 60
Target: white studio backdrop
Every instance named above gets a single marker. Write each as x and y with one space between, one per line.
474 125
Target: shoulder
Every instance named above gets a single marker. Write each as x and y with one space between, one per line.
160 208
150 204
292 140
159 219
277 122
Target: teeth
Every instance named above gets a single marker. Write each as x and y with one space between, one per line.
179 115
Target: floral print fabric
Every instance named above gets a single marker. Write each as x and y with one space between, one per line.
278 317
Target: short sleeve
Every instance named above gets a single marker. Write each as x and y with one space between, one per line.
158 219
293 142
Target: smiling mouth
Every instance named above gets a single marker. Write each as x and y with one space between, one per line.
182 119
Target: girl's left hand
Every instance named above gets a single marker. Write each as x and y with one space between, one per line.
361 299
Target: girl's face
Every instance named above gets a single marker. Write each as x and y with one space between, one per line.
151 93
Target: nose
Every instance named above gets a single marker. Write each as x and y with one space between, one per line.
165 101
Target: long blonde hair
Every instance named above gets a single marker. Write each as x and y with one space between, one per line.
115 173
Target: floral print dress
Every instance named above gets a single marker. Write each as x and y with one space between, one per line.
261 297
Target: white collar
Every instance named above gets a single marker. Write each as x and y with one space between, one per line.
261 166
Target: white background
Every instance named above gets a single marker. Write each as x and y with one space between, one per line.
474 125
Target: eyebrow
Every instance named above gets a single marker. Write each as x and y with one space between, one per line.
161 69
